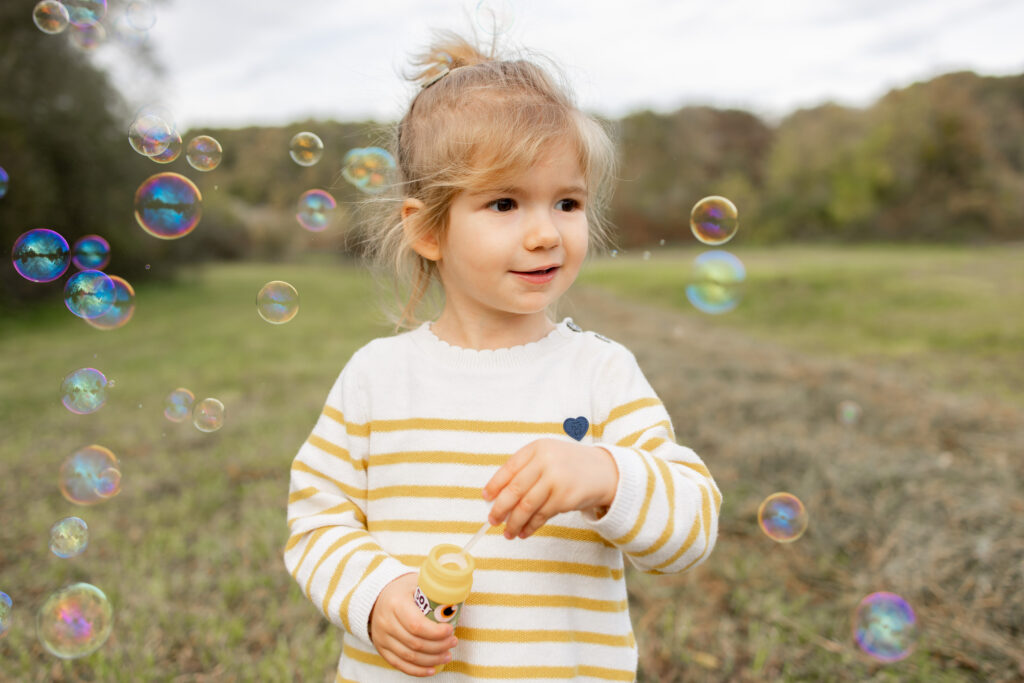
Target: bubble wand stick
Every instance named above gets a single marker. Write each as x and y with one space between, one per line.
476 537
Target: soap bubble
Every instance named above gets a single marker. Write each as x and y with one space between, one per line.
75 621
714 220
90 475
91 252
168 206
203 153
84 12
69 537
848 412
316 208
368 168
50 16
5 181
87 37
885 627
84 391
178 405
306 148
277 302
782 517
172 152
149 134
121 311
127 34
141 15
41 255
6 607
208 415
89 293
716 282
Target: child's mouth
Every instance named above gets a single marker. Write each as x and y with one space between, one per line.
537 276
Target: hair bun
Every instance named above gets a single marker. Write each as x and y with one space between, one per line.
448 51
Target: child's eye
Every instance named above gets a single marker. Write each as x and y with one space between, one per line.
567 205
503 204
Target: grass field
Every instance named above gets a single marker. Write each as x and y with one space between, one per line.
189 551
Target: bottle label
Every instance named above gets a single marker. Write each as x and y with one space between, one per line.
435 611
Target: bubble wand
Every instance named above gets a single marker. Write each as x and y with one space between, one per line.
476 537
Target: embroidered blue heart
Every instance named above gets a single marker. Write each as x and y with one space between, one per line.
576 427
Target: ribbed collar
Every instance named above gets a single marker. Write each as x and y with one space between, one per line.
513 356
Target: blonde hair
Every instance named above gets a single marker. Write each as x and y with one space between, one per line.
477 121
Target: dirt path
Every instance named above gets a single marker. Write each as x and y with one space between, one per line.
922 497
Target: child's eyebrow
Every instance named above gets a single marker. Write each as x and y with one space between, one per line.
512 189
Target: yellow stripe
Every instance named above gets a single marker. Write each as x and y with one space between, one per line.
336 450
483 426
624 410
332 585
350 427
498 635
631 439
313 538
327 553
440 457
642 517
545 566
341 507
409 491
670 491
546 600
439 527
351 491
653 443
343 610
690 538
302 494
504 672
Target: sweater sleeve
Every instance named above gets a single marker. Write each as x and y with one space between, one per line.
336 562
664 516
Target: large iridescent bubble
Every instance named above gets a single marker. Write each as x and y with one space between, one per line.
178 405
41 255
6 607
716 282
5 181
69 537
89 293
75 621
90 475
91 252
208 415
203 153
121 311
84 391
315 210
368 168
84 12
782 517
50 16
168 206
885 627
714 220
306 148
277 302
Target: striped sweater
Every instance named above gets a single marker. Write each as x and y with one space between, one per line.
412 430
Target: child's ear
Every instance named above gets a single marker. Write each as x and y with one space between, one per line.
423 244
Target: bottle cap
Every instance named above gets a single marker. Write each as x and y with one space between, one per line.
447 574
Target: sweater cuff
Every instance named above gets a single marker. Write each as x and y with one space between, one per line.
367 593
629 495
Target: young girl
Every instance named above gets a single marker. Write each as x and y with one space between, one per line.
493 412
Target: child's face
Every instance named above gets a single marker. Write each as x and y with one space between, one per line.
495 238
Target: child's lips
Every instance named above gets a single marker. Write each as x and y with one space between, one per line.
538 276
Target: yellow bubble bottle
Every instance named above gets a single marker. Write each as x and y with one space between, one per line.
445 580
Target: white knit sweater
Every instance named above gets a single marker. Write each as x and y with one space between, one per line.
412 430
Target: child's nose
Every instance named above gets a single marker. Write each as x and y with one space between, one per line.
542 232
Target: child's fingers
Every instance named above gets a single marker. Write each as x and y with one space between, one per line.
529 506
404 666
415 657
501 478
419 633
512 495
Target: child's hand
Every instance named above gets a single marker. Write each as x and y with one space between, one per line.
405 638
546 477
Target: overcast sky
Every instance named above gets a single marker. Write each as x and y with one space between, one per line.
277 61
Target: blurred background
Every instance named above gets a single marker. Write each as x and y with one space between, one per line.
875 153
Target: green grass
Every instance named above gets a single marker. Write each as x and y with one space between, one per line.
951 312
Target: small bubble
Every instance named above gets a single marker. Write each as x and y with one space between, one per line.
203 153
89 293
208 415
69 537
315 210
277 302
178 405
6 607
51 16
782 517
41 255
90 475
368 168
714 220
716 282
75 621
885 627
84 391
306 148
168 206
